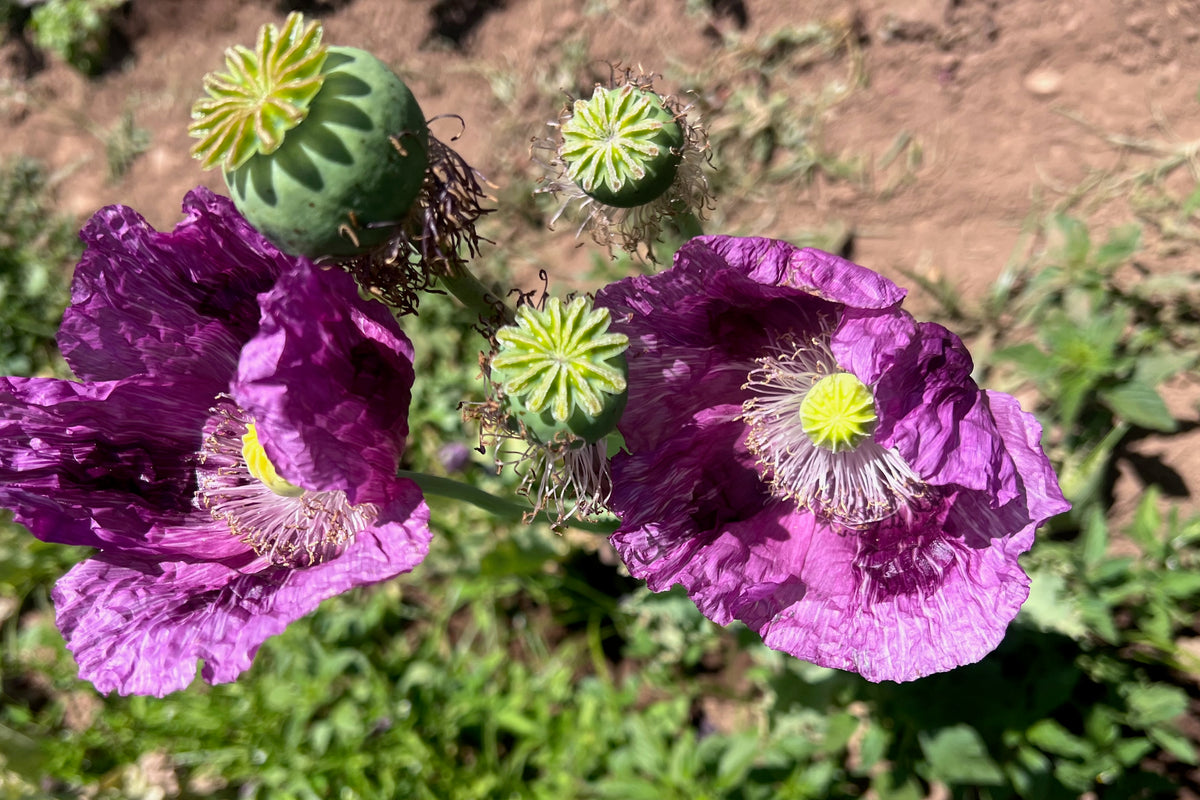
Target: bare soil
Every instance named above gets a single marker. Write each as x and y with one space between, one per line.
991 94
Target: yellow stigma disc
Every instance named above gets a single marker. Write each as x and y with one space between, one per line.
838 412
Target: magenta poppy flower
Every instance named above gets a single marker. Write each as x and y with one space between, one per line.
230 449
806 458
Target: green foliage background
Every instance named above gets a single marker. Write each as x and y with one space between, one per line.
518 663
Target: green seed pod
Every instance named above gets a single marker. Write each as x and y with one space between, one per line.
323 149
562 372
622 147
545 429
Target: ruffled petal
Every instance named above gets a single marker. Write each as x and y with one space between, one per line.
660 394
675 499
158 325
328 381
703 301
139 627
906 600
1022 435
771 262
107 465
171 304
929 407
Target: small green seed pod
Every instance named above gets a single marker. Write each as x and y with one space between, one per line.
628 163
622 147
562 372
323 148
545 429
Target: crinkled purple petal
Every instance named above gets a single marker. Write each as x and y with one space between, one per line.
700 324
706 302
661 405
671 498
894 603
328 380
703 322
108 465
903 600
698 515
771 262
141 460
929 408
177 304
1023 441
139 627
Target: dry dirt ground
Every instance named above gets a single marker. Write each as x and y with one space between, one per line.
987 98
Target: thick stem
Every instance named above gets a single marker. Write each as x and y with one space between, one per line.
462 283
498 507
688 225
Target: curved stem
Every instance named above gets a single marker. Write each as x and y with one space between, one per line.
688 225
462 283
498 507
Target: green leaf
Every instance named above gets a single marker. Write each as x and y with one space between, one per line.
1094 542
1179 585
910 789
1101 727
513 721
1155 367
629 789
1076 240
1079 777
737 760
1082 473
1146 527
1097 615
1049 606
1029 358
1174 743
1140 404
873 746
1154 703
1052 737
1192 201
20 754
838 732
1131 751
958 755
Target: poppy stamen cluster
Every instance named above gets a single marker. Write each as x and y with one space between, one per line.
809 427
286 525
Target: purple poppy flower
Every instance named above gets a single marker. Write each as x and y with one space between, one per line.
231 449
806 458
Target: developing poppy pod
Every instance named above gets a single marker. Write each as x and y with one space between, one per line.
562 371
622 147
324 149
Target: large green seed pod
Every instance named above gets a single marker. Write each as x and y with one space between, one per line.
622 147
322 148
339 179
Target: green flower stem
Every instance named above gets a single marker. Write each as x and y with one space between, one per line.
462 283
688 225
498 507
